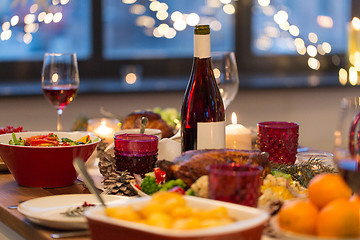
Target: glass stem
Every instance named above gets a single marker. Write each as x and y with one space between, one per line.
59 126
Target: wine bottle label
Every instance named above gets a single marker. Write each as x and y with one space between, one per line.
202 47
211 135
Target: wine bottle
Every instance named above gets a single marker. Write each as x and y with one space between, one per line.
202 112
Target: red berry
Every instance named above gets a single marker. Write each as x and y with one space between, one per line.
177 189
10 129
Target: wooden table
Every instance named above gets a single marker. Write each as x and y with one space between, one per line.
12 194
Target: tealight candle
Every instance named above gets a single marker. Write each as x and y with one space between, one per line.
104 128
237 136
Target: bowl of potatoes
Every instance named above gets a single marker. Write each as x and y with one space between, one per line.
172 216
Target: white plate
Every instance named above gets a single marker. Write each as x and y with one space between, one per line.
47 211
141 193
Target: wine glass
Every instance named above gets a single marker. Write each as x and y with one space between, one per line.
347 142
60 81
226 75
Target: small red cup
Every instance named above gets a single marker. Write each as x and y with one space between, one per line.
235 183
280 140
136 153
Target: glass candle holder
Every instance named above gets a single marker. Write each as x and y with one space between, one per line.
136 153
326 158
148 131
280 140
104 127
235 183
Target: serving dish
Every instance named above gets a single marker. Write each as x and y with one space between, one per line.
48 211
47 167
249 223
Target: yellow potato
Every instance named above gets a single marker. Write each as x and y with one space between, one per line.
159 219
217 213
172 203
150 208
211 222
169 210
162 197
123 213
181 212
187 223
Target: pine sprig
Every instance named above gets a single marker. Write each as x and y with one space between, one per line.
303 172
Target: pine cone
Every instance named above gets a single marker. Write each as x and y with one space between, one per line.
106 164
118 183
274 207
102 145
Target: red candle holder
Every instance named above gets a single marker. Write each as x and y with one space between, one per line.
136 153
235 183
280 140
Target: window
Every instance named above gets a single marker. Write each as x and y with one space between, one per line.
148 30
112 37
287 27
277 40
29 30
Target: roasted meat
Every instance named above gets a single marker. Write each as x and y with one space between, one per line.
191 165
133 120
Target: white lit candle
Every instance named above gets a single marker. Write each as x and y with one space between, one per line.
104 128
237 136
103 131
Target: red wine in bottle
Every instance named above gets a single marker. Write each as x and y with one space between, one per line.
202 112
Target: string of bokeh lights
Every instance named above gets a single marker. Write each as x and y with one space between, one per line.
179 22
311 46
351 75
32 20
166 24
177 19
314 48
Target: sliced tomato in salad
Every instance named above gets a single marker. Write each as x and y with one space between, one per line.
159 175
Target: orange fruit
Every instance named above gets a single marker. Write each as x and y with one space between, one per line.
355 200
298 216
325 187
339 218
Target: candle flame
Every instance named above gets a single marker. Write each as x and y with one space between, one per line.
355 22
233 118
103 130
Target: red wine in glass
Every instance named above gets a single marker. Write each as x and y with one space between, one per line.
350 171
60 81
60 96
347 142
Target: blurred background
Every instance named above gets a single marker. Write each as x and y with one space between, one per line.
294 58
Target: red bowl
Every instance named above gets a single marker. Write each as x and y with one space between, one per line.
45 167
249 223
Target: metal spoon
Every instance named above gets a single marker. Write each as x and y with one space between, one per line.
144 121
81 169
